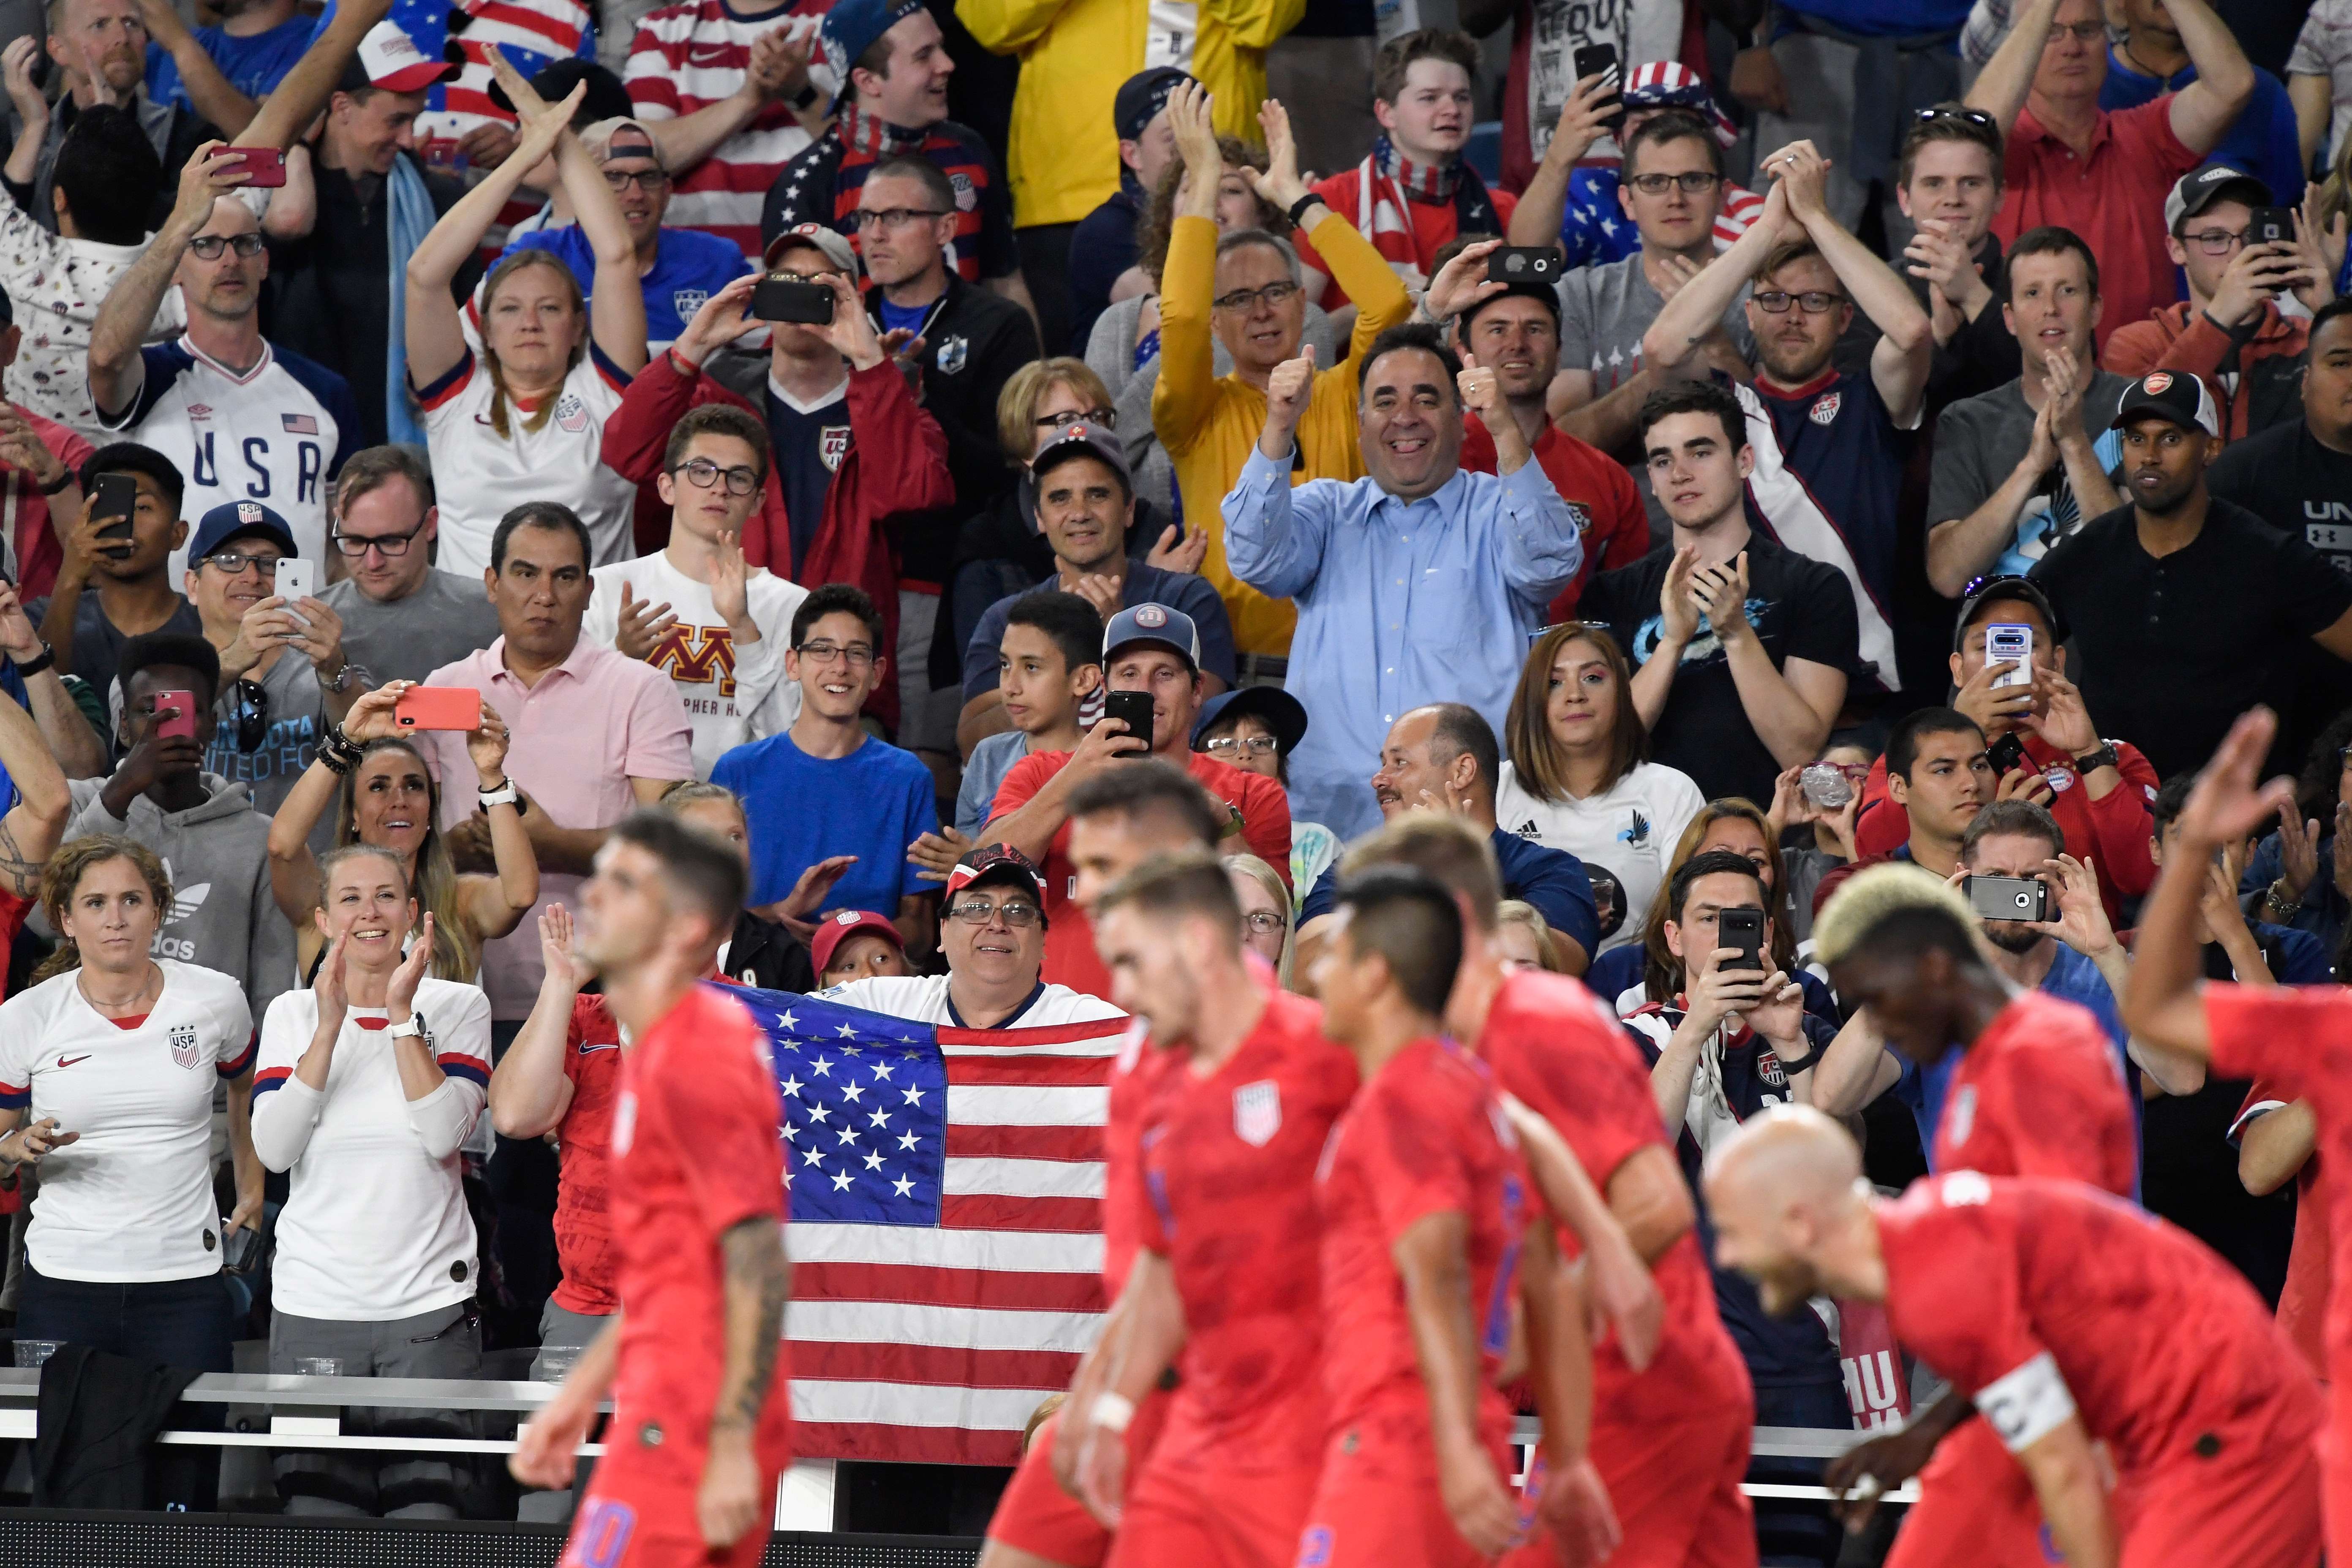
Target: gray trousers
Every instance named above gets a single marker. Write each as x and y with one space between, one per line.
445 1342
562 1336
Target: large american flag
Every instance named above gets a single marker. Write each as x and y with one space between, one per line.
946 1193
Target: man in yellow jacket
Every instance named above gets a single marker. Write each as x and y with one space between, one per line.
1063 158
1246 285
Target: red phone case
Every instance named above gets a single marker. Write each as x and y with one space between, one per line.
264 167
438 707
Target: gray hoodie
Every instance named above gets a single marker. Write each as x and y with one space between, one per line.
223 916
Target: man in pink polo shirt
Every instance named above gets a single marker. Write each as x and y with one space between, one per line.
2105 175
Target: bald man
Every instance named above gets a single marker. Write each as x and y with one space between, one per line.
2068 1317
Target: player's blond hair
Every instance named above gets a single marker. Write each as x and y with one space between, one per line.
1878 893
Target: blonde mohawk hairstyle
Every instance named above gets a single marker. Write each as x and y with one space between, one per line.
1876 894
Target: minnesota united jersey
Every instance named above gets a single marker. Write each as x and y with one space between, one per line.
277 434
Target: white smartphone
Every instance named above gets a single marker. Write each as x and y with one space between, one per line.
297 579
2004 641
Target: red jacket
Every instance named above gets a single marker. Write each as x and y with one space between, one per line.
906 473
2112 833
2268 361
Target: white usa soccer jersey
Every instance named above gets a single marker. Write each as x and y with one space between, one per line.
277 434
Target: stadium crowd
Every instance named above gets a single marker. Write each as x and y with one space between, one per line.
1811 437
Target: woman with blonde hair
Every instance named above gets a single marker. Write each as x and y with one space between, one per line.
1579 778
525 421
383 798
1267 928
1522 939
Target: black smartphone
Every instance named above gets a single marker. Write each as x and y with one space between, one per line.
1601 60
776 299
2010 898
2007 754
1132 709
2270 225
1741 928
242 1250
118 496
1526 264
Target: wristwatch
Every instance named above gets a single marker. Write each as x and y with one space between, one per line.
505 794
2104 757
40 661
412 1028
345 678
806 95
1299 209
2276 899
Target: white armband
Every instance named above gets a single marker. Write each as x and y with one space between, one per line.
1113 1412
2026 1404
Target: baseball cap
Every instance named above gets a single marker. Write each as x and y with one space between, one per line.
840 926
1994 590
1157 625
1280 711
2173 395
835 244
237 519
851 27
1083 438
622 137
998 863
2201 188
389 59
1140 98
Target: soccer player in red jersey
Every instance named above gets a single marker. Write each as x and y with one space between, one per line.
1671 1430
1425 1212
2297 1039
2035 1091
2070 1318
1118 820
702 1425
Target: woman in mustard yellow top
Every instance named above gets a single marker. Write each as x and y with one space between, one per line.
1245 287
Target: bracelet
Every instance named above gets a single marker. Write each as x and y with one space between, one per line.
46 659
338 750
60 482
1297 213
2276 899
1112 1412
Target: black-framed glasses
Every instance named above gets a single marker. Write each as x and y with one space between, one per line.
1106 417
892 217
1251 298
1812 301
248 709
650 181
857 655
233 563
1934 113
207 246
393 545
702 473
1018 914
1697 183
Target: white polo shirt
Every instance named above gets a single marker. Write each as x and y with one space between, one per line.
133 1199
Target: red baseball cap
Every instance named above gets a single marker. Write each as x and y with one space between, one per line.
843 924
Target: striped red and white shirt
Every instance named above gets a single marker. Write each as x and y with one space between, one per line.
541 30
690 56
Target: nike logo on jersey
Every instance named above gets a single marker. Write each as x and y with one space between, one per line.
69 1061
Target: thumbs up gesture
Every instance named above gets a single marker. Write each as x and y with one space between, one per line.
1287 394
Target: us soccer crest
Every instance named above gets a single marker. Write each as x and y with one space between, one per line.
1768 1067
832 446
1257 1112
1825 407
186 1051
686 301
571 414
967 194
953 351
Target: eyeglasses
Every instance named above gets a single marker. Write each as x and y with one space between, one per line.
1104 416
1251 298
1018 914
2084 33
1812 301
857 655
891 217
207 246
355 546
1928 116
1264 922
1695 183
702 473
2216 241
233 563
649 181
1238 745
248 709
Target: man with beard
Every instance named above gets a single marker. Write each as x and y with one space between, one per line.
2182 607
1829 458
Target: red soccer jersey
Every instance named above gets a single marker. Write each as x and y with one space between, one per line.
1070 956
2303 1299
1134 1076
2038 1094
584 1222
1426 1136
1604 501
695 1151
2028 1293
1557 1048
1229 1189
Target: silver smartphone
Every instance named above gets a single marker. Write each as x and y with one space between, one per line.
2010 641
297 579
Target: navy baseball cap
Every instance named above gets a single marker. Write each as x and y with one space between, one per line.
1279 710
2175 395
1140 98
1157 626
239 520
852 28
1083 438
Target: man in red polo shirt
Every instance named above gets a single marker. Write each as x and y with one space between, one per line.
2105 175
1151 648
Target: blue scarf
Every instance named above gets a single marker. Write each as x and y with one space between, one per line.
409 217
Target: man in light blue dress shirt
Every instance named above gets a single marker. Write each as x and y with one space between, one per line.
1418 584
